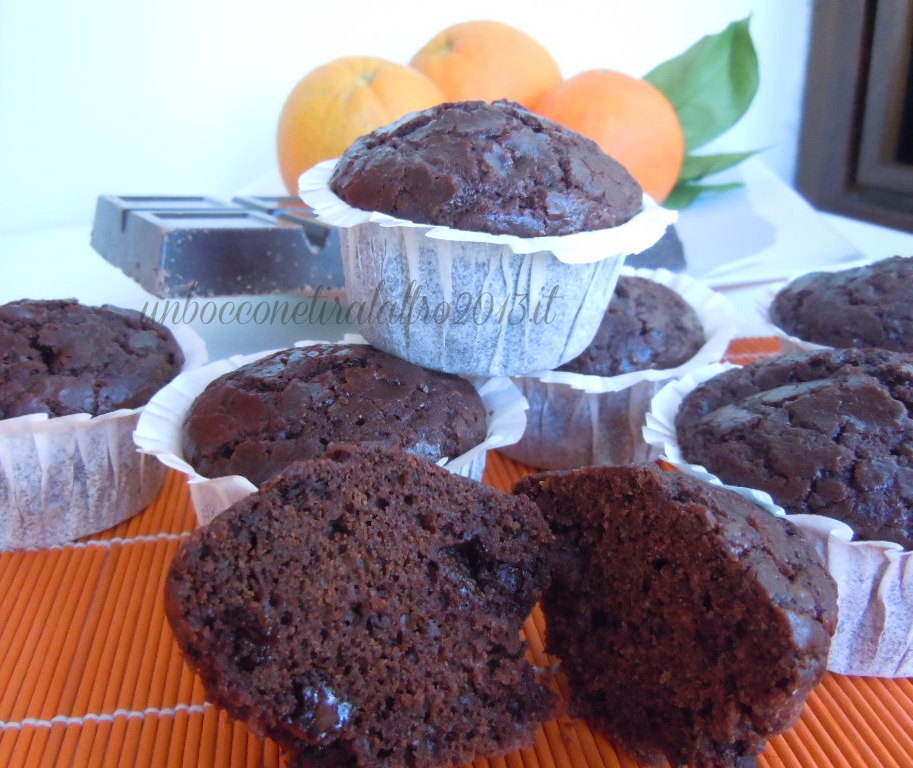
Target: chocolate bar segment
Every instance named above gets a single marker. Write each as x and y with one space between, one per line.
326 270
112 211
173 246
215 253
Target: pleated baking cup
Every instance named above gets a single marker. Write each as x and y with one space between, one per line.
577 420
874 578
65 477
159 430
474 303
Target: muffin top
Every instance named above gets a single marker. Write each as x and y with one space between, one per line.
290 405
870 306
495 168
647 325
825 433
59 357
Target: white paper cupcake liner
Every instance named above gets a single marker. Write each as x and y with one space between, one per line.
159 430
65 477
474 303
577 420
874 578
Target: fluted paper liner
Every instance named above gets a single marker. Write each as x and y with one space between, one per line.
576 420
159 430
471 302
65 477
874 578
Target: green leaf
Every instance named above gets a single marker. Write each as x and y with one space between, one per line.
696 167
684 194
711 85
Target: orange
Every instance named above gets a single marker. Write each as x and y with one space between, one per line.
629 118
488 60
334 104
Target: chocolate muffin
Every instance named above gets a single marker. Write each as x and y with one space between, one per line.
495 168
870 306
690 623
364 609
647 325
59 357
290 405
826 432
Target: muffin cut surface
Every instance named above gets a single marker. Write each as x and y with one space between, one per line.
690 623
364 609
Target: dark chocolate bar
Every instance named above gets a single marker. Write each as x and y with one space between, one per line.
667 253
175 246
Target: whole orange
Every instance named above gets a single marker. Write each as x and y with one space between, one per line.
629 118
334 104
488 60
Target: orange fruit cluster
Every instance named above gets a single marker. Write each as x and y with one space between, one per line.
335 104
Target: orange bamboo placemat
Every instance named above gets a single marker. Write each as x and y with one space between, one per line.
91 676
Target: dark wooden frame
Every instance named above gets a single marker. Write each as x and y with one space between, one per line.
856 145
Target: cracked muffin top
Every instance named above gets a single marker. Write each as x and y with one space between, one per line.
59 357
868 306
258 419
495 168
827 432
647 325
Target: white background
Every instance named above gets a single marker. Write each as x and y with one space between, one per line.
182 96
